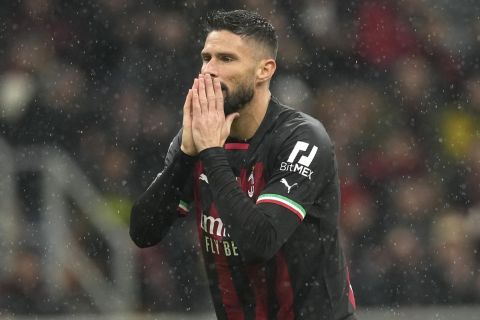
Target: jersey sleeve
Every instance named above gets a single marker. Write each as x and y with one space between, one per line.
154 212
303 168
186 192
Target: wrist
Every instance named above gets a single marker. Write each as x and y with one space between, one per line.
209 150
201 148
213 157
188 151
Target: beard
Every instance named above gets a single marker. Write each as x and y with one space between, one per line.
235 100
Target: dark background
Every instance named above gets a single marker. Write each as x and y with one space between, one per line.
396 83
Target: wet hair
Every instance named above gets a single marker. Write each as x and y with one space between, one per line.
248 24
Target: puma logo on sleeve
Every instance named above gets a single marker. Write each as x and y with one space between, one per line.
284 181
203 177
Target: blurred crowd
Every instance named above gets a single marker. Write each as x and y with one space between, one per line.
396 83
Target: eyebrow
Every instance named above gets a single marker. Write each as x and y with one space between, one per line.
222 53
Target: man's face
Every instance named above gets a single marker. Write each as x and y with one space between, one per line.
231 58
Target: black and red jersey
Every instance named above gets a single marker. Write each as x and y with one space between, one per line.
267 217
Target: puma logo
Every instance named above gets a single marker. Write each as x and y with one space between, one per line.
203 177
284 181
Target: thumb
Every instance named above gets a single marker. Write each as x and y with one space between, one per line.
229 119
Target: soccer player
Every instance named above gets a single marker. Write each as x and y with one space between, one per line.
260 178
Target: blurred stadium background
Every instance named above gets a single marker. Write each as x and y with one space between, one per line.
91 94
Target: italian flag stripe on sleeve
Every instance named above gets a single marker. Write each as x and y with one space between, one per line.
183 207
284 202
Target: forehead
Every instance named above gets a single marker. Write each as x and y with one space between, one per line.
226 41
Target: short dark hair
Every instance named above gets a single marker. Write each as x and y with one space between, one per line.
248 24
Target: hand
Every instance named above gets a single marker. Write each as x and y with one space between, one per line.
210 127
188 146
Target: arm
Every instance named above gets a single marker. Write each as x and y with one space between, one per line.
256 229
260 229
156 209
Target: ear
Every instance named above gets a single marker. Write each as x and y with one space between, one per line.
266 69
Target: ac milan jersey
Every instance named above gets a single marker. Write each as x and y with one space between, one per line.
267 218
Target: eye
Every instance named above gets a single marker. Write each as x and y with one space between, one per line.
225 58
206 57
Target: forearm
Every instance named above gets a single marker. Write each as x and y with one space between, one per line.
254 229
156 209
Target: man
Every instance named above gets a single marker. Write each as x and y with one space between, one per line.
262 181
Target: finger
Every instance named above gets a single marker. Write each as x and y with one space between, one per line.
187 108
218 95
195 84
196 109
202 93
210 92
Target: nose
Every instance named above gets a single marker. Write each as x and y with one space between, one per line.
210 68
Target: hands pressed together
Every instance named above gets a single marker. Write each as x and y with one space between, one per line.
204 122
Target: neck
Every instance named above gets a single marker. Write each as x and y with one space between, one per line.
251 116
